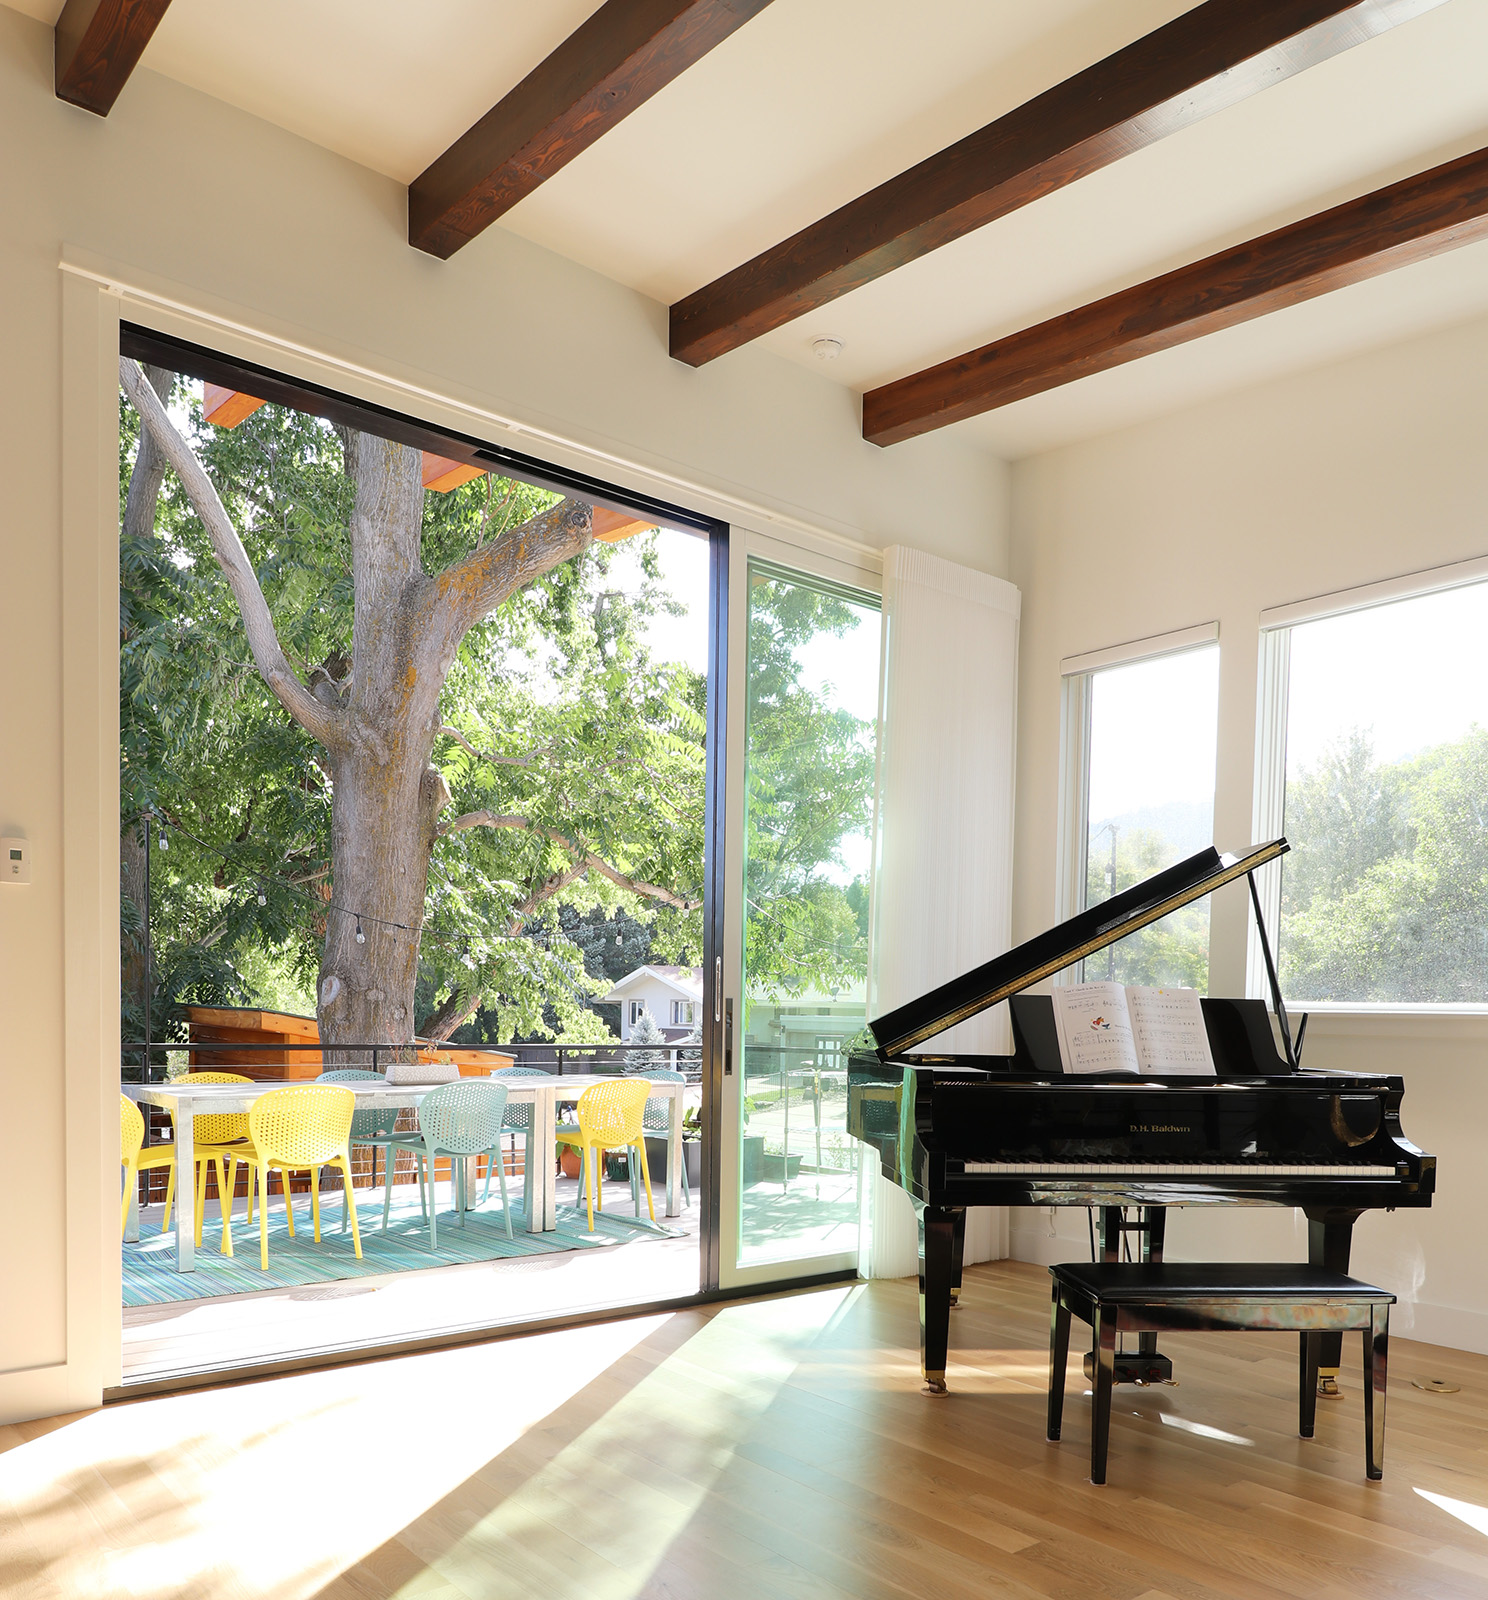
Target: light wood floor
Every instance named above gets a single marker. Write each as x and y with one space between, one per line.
779 1448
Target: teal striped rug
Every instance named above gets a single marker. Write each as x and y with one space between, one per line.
150 1276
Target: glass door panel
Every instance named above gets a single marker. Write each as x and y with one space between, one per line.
810 696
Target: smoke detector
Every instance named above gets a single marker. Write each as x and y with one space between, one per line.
826 349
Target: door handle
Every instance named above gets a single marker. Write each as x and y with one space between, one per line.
728 1038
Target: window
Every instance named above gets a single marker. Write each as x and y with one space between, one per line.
1374 763
1139 750
684 1013
637 1011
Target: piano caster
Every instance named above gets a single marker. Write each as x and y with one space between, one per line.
1328 1386
935 1383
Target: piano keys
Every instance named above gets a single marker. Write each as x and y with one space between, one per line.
957 1130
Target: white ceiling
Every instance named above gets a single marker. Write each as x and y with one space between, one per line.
814 101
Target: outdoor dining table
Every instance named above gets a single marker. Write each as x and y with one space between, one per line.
185 1101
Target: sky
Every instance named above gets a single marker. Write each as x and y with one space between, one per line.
1413 673
1153 727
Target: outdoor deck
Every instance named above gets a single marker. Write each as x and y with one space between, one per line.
429 1299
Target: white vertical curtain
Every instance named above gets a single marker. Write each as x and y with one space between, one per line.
944 827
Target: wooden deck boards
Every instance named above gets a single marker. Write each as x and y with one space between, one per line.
774 1448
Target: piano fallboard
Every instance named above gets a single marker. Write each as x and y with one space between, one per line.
956 1135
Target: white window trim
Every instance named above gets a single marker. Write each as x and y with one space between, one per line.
1074 753
1160 644
1406 587
1338 1018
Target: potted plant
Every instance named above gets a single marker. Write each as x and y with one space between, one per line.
752 1156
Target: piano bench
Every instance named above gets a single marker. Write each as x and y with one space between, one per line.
1122 1297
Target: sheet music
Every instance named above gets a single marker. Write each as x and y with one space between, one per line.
1095 1028
1169 1032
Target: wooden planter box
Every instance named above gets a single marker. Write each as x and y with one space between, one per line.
229 1025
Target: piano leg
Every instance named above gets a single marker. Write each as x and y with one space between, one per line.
1330 1233
937 1255
958 1250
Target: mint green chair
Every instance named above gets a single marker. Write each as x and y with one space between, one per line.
456 1119
518 1119
373 1125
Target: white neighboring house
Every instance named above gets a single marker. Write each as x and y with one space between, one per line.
673 996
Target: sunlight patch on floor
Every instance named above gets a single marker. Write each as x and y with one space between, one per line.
680 1427
1464 1510
156 1497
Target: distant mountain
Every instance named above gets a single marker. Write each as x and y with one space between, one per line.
1187 825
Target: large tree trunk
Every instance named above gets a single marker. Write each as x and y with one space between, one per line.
387 795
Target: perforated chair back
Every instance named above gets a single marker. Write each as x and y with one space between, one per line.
131 1129
518 1118
611 1114
658 1117
463 1118
302 1126
373 1120
224 1126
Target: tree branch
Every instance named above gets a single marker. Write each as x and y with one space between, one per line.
317 719
486 755
587 860
473 587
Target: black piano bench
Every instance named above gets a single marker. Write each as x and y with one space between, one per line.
1122 1297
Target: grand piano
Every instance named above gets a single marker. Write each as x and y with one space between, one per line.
973 1130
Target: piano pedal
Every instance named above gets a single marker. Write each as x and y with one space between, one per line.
1134 1367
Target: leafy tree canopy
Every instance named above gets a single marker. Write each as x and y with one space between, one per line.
1385 893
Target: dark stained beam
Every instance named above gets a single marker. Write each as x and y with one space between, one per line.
1419 217
98 43
1214 56
606 68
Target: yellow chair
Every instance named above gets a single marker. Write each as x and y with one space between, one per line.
290 1130
611 1116
218 1139
136 1159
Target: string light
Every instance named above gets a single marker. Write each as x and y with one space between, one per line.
361 937
263 899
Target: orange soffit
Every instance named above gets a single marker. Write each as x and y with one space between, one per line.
443 474
610 527
226 408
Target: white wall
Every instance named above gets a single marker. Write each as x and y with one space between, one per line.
1358 471
196 203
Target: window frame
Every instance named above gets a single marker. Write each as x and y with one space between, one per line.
1273 693
1075 712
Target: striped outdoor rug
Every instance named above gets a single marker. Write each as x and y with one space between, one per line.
150 1276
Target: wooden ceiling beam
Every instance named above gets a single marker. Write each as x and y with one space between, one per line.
1410 221
607 67
97 44
1211 57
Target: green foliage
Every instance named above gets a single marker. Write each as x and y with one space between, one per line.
595 744
810 786
1385 893
1174 951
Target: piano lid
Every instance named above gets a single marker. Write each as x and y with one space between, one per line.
1062 945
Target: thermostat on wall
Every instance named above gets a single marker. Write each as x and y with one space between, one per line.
15 861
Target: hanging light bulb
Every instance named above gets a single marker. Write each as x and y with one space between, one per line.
263 899
360 936
164 842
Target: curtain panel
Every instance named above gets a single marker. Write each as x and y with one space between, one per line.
943 826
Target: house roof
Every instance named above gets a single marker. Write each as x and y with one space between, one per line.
685 982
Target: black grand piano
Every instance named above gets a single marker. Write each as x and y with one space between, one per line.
962 1130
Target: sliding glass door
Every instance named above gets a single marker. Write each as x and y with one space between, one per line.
804 654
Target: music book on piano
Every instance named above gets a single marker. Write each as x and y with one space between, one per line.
1137 1028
